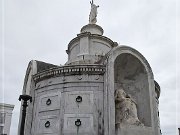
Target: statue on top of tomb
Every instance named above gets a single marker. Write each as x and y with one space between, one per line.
93 13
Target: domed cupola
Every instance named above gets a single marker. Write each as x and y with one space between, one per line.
90 45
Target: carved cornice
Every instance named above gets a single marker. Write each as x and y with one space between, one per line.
69 70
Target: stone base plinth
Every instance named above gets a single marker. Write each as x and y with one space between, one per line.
93 29
134 131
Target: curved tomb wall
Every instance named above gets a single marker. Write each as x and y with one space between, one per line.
130 75
88 48
57 103
74 51
98 47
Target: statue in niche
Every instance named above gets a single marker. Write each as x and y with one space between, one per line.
93 13
125 109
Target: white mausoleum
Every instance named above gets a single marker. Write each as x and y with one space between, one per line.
103 89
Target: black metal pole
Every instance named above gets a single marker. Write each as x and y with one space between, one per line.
179 130
25 98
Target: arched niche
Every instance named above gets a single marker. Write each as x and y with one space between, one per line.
131 75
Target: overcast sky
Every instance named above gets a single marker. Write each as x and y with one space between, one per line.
41 30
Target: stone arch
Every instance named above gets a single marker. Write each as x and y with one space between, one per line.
27 89
131 75
113 60
31 70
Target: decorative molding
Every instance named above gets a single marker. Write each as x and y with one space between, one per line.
79 77
69 70
97 77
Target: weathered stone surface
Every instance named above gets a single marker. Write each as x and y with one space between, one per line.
127 68
93 29
125 109
5 118
135 131
78 98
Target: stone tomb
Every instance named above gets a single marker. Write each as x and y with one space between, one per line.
103 89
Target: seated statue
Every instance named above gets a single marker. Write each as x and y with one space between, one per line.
125 109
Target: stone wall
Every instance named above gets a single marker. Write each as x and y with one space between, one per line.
56 108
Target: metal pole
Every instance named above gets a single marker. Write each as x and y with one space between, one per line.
179 131
25 98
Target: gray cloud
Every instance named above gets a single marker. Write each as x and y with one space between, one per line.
42 29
